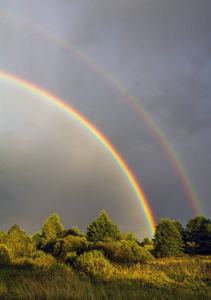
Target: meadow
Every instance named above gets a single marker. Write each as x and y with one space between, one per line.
105 263
187 277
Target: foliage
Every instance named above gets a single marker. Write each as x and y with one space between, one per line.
61 247
145 242
102 227
168 240
18 241
93 263
37 239
5 256
125 252
184 278
73 231
52 228
70 257
198 235
129 237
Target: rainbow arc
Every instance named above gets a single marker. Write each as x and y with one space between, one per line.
105 142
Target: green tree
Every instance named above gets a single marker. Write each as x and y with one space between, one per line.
146 241
168 240
102 227
18 241
52 228
198 235
37 239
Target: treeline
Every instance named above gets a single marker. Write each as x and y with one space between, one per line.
171 239
104 244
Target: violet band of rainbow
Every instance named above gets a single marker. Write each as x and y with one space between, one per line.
106 143
159 134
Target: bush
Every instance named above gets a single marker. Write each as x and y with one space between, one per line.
61 247
38 253
125 252
5 257
93 263
70 258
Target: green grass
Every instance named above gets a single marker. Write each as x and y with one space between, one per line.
182 278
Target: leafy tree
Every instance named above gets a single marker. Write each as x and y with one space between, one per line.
168 240
18 241
198 235
102 227
52 228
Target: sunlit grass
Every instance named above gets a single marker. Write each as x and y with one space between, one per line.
44 278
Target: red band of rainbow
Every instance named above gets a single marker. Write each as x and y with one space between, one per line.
126 170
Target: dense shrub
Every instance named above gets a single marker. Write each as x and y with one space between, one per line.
5 257
61 247
70 257
93 263
125 252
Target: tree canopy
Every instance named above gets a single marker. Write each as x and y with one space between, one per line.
168 239
102 227
52 228
198 235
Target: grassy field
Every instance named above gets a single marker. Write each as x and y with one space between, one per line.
44 278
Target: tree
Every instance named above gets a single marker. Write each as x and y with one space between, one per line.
18 241
52 228
198 235
146 241
129 237
102 227
168 240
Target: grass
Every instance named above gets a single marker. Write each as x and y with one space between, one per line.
44 278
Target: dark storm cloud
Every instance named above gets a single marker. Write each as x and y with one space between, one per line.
160 51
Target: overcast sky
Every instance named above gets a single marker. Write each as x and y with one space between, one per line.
160 51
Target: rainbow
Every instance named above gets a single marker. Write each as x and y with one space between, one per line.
177 163
128 173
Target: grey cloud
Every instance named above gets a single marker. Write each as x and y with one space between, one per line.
160 51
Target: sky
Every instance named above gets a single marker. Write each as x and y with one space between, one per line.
160 53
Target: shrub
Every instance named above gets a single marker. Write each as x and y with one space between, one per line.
70 258
93 263
61 247
38 253
5 257
125 252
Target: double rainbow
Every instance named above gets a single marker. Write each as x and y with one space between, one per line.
177 163
126 170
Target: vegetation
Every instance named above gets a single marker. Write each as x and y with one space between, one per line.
102 227
106 264
168 239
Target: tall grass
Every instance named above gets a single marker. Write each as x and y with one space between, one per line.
44 278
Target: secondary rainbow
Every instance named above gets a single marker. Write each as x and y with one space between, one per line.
177 163
128 173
